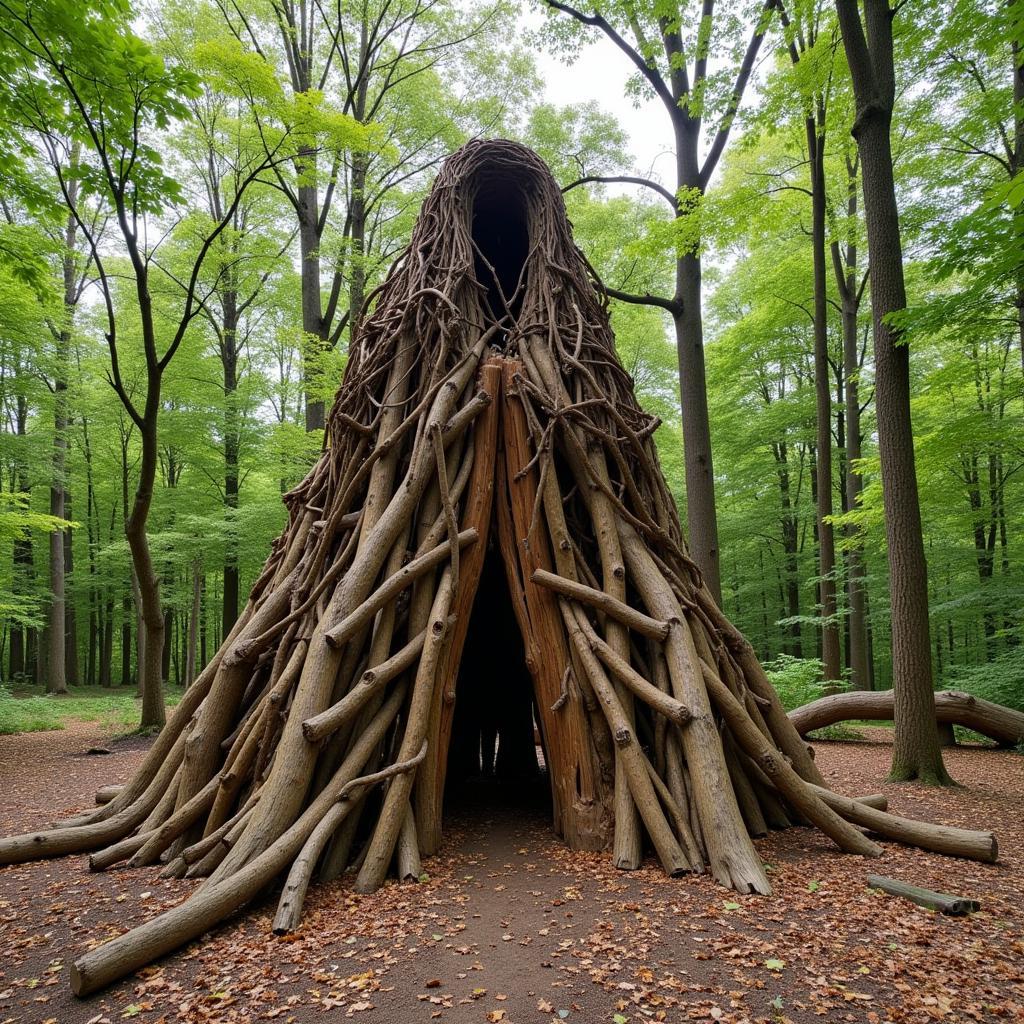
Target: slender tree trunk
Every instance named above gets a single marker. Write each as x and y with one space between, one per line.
791 568
849 297
1017 162
107 646
312 316
56 680
701 515
823 406
193 624
70 617
16 663
202 620
168 646
99 618
232 445
357 213
151 642
95 639
127 611
23 657
916 750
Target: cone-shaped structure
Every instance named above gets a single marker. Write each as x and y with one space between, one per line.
483 410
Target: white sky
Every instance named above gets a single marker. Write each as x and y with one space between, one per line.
600 73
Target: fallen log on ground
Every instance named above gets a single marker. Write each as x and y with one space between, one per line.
954 906
484 415
953 707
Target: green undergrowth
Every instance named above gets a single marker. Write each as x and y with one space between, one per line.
30 709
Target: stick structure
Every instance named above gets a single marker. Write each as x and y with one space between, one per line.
483 409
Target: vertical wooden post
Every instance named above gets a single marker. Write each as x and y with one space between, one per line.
581 800
477 513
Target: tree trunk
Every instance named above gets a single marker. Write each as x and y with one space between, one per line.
314 343
70 618
107 643
193 625
790 543
56 681
1017 161
916 751
701 515
203 659
849 297
823 406
151 641
358 240
232 444
23 654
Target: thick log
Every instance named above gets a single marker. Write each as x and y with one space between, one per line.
954 906
213 903
663 703
1002 724
954 842
631 759
732 857
578 791
81 838
107 793
801 795
476 515
289 907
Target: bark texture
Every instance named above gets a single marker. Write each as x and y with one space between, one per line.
952 707
869 53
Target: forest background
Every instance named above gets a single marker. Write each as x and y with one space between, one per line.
198 196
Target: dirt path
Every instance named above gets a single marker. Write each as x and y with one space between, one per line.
510 927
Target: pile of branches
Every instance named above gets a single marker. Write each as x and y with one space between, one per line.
315 740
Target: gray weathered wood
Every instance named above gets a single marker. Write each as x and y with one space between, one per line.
955 906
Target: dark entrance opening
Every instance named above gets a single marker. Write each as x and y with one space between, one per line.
494 758
501 237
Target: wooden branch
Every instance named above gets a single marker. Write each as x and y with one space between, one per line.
621 612
625 179
289 907
665 704
392 587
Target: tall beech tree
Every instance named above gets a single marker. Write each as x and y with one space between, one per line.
804 43
674 63
869 53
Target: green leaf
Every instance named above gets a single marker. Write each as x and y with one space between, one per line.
731 906
775 965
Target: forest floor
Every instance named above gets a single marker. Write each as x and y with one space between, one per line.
511 927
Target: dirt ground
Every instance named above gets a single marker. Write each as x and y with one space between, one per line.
511 927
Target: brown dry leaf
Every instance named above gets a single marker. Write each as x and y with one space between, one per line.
496 1015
